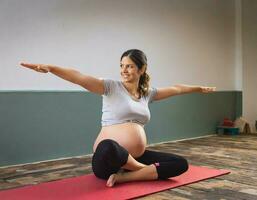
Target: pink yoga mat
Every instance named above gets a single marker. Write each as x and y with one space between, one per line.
90 187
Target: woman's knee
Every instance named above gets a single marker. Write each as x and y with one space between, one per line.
106 146
113 152
171 169
105 152
183 163
108 158
181 166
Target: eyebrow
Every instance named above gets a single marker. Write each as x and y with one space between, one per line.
127 64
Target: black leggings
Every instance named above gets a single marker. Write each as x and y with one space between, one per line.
109 157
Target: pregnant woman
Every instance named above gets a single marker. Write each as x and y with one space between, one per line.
121 143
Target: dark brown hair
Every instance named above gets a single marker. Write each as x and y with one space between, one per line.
139 58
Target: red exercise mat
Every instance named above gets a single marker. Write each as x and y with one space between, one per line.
90 187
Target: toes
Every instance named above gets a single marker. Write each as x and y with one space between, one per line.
111 181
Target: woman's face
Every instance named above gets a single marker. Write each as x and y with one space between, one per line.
129 71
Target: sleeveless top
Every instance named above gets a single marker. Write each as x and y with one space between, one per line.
119 106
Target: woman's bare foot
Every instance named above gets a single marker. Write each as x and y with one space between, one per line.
112 179
144 174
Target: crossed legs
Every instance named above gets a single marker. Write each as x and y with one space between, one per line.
110 157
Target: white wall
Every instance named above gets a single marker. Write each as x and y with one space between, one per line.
191 42
238 46
249 33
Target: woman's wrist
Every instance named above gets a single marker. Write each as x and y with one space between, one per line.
199 89
50 67
190 89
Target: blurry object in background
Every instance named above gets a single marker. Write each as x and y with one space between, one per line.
243 125
227 122
227 127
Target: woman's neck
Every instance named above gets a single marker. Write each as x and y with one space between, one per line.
131 87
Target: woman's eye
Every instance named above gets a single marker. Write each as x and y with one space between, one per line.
130 66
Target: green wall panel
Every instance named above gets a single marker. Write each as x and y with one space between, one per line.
39 125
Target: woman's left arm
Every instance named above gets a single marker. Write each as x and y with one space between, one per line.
163 93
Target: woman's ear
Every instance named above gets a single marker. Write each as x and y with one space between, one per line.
143 69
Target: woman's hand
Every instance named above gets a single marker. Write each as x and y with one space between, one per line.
37 67
207 89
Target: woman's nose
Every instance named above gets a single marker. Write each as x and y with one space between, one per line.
124 69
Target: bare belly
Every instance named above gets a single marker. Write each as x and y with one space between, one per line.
131 136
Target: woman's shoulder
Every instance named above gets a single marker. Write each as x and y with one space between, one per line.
151 93
110 85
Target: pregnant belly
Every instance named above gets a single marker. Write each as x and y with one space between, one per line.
131 136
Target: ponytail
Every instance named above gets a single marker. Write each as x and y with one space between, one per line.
144 84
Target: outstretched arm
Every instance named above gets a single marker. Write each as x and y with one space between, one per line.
163 93
90 83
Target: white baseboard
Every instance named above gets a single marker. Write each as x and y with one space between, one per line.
192 138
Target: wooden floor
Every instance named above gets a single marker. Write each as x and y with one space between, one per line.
235 153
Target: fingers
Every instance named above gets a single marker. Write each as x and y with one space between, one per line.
37 67
29 65
209 89
25 64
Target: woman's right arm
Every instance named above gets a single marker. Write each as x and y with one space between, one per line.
90 83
